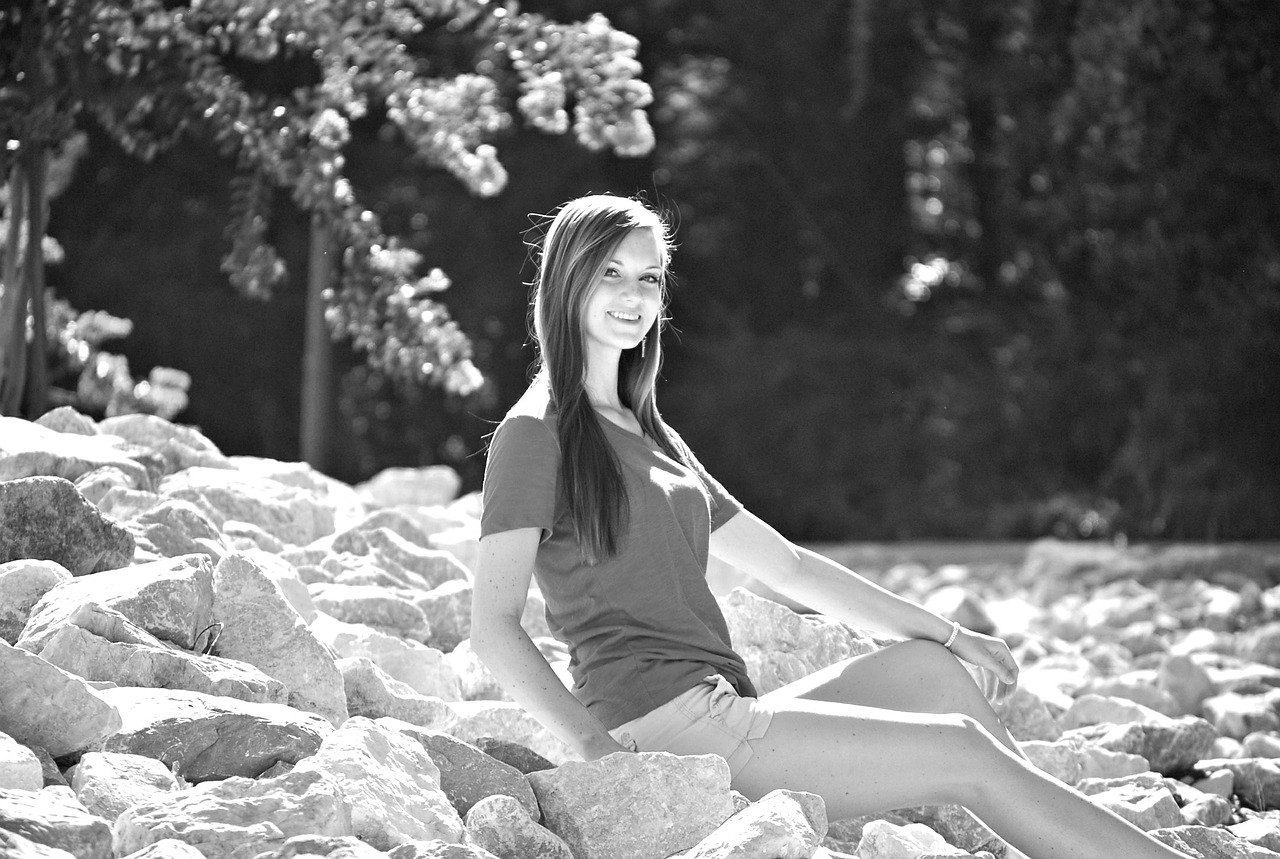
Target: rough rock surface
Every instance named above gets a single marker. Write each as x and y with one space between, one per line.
47 518
1150 680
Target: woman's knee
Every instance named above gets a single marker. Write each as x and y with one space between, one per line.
973 758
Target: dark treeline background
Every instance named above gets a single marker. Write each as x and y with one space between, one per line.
946 269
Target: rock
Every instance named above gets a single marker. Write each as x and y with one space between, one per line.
1260 644
477 681
1264 832
260 627
143 660
124 504
52 817
172 528
1146 805
31 450
1257 780
1206 810
779 645
391 783
1261 745
447 610
955 824
884 840
65 419
1236 715
389 610
425 487
645 806
410 564
52 776
291 515
45 706
422 668
462 542
1137 687
334 847
244 537
14 846
438 850
961 605
372 692
226 819
504 826
22 584
342 499
775 827
468 775
19 767
1071 759
108 783
1027 716
1172 746
508 721
172 599
167 848
180 446
524 759
286 577
1093 709
47 519
206 737
1204 843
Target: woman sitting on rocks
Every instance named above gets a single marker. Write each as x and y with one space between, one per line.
589 490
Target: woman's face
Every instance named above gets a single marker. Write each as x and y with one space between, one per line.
626 298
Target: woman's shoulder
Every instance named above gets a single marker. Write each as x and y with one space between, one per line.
534 405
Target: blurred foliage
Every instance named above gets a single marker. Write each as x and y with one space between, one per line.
985 269
276 86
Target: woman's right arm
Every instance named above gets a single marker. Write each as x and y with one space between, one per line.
501 589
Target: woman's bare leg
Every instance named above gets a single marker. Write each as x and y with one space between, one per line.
913 676
863 760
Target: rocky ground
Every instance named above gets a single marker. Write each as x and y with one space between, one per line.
233 657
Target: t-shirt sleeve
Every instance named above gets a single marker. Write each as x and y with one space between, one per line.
520 477
723 505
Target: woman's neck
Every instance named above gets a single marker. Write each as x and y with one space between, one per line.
601 385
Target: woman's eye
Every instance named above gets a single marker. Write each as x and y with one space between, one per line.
652 279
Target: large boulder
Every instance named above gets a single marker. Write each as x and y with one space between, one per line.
180 446
390 610
109 783
202 737
22 584
55 818
31 450
262 628
782 824
424 669
643 806
174 527
374 693
172 599
20 769
390 781
423 487
239 817
468 775
292 515
780 646
48 519
45 706
102 645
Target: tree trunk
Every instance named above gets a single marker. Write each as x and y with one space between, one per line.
317 352
37 392
13 304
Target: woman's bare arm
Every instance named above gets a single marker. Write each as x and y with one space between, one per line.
751 545
501 589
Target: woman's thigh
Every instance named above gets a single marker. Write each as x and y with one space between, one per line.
862 760
910 676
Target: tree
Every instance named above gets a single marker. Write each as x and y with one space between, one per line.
277 85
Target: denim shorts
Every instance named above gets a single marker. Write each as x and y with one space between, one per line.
709 719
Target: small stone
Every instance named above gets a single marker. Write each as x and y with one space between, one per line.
1236 715
1256 780
775 827
1260 745
1207 843
65 419
422 668
372 692
508 721
388 610
1186 681
423 487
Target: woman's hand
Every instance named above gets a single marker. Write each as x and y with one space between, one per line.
1000 669
598 747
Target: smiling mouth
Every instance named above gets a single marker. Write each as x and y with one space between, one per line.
625 317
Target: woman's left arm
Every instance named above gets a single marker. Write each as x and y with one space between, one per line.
754 547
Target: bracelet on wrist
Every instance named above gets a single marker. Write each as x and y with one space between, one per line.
951 639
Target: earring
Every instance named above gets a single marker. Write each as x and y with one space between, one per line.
642 344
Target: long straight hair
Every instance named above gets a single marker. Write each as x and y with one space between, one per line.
582 237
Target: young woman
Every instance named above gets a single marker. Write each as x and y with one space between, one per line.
588 489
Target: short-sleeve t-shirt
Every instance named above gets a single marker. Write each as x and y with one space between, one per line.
642 626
